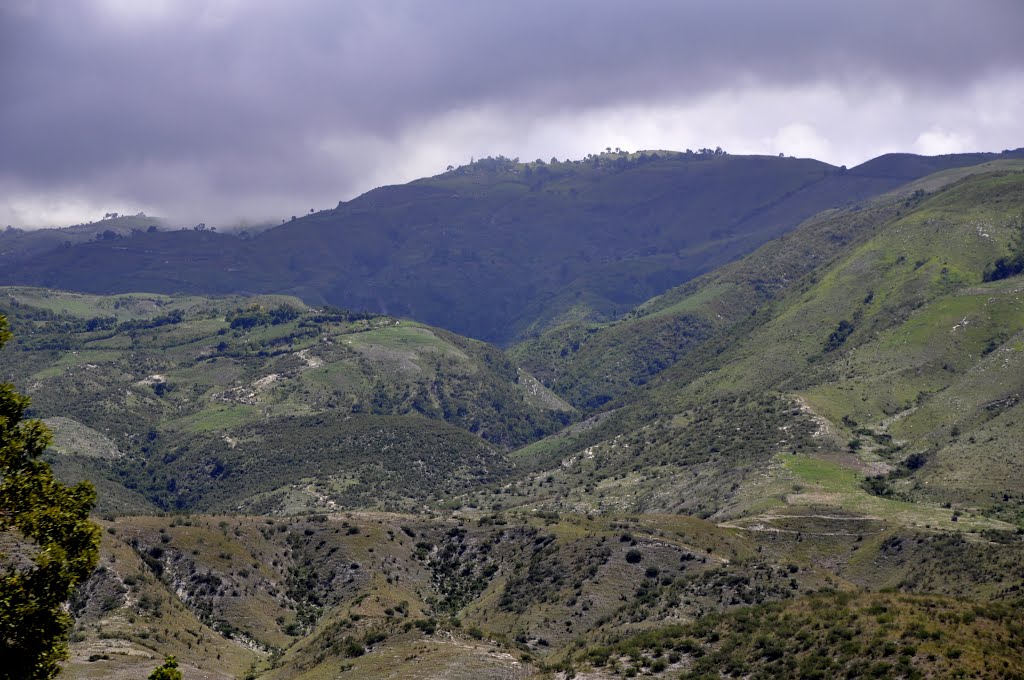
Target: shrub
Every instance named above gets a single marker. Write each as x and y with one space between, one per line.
839 335
352 648
168 670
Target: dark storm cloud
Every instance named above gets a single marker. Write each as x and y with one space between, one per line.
222 103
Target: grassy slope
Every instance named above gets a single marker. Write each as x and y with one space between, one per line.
773 389
830 636
592 363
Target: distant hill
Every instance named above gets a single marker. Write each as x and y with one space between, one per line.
191 402
499 249
18 245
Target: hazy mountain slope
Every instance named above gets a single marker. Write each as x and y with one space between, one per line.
185 261
19 245
600 237
498 248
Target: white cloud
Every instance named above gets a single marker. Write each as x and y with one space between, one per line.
134 13
49 210
938 141
801 140
819 121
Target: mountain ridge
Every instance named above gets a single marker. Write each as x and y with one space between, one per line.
498 249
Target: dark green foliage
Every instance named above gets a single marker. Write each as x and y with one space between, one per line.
551 574
428 626
1012 264
258 316
1005 267
915 460
461 569
168 670
176 316
541 581
353 648
839 335
50 546
877 486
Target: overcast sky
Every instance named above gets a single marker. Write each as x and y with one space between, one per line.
245 110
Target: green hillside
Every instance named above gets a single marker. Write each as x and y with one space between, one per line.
831 635
594 363
860 413
193 402
880 384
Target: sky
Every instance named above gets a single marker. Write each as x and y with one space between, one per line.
237 112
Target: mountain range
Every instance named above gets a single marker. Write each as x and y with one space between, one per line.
496 250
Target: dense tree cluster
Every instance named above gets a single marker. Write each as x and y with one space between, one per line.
1012 264
613 159
259 316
